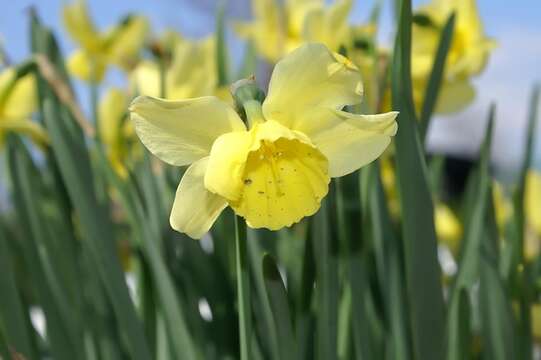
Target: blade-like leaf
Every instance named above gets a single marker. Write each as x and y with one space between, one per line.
279 304
423 275
436 75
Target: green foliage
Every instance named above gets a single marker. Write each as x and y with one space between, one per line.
352 282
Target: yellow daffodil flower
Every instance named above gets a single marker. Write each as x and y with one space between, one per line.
279 28
532 205
448 227
17 103
114 130
467 57
276 171
117 46
192 71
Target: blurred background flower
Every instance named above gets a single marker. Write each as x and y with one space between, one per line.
506 80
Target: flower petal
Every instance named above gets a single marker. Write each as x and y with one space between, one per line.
352 141
181 132
226 164
230 151
26 127
195 209
80 27
307 81
124 41
80 64
454 96
283 182
17 96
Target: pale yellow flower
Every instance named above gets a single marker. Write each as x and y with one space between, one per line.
276 171
467 57
448 227
192 71
114 129
277 28
17 103
119 45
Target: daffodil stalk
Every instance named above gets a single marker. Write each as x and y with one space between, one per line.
243 289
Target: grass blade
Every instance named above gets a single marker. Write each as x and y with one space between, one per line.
278 300
436 75
12 311
425 295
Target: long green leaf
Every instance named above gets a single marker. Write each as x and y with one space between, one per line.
12 315
494 298
278 300
474 228
423 275
436 75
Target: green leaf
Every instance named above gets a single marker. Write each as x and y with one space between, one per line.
12 310
171 303
389 262
278 300
474 229
423 275
72 158
494 299
460 346
62 328
221 46
436 75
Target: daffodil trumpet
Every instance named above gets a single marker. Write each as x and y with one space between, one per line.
275 169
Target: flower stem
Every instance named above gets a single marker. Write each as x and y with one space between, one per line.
243 289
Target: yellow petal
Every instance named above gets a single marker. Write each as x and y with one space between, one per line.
226 164
307 84
533 200
181 132
267 29
17 100
125 41
24 127
328 25
193 69
351 141
448 227
111 113
284 179
146 78
230 151
85 66
454 96
195 208
80 27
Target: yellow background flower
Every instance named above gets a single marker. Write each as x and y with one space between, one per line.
467 57
119 45
277 28
17 103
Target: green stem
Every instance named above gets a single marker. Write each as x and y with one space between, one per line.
163 78
243 289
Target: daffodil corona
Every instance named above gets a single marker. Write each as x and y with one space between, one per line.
277 170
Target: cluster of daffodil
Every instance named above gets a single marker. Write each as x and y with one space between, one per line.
310 128
185 69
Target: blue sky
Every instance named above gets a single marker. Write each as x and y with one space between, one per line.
512 69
